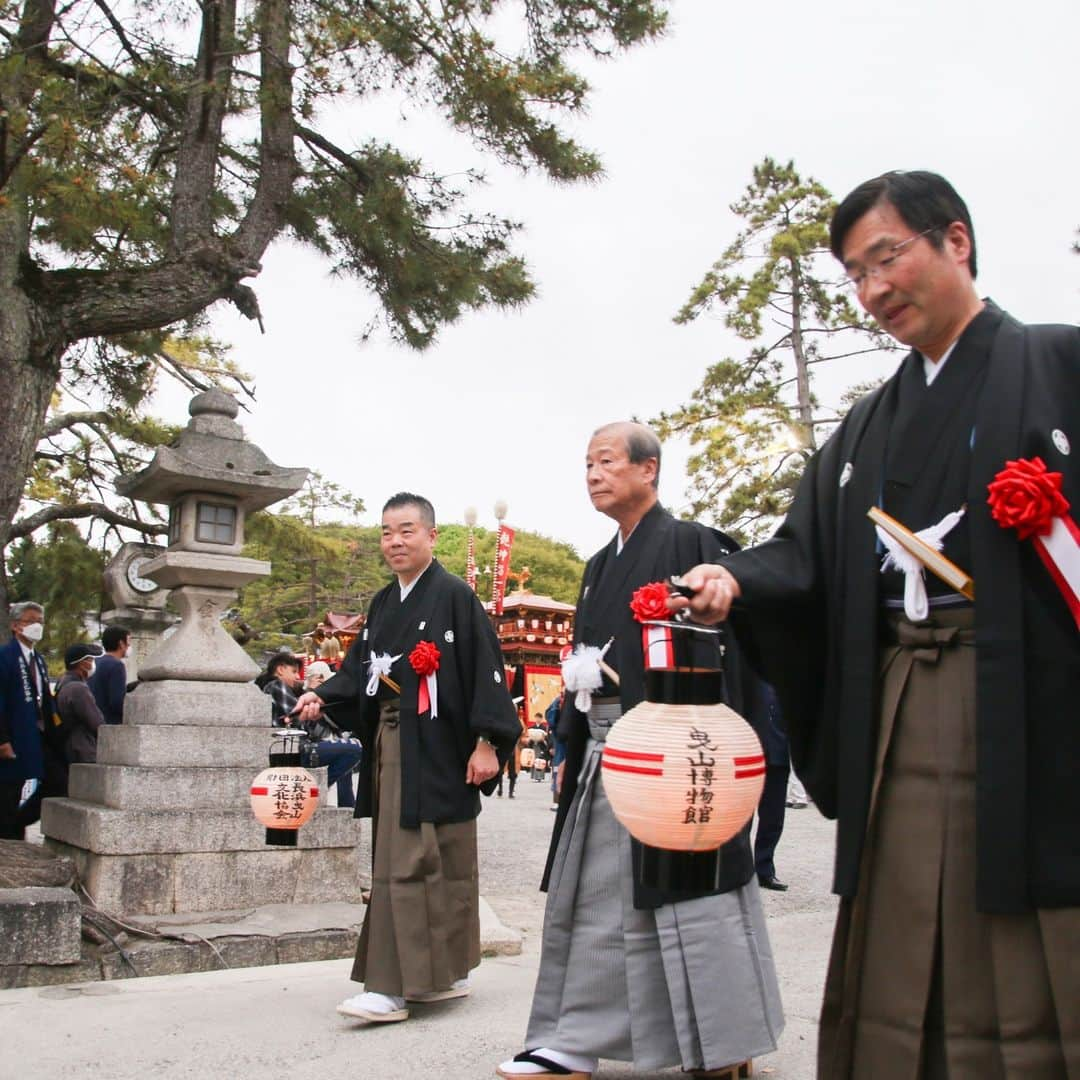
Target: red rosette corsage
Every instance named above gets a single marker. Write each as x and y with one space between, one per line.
1026 497
425 658
650 602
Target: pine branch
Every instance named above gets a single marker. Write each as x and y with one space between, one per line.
74 511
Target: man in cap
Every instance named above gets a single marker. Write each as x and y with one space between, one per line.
79 713
936 722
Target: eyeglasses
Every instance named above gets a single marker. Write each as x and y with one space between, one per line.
874 270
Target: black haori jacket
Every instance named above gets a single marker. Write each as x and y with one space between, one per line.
473 698
658 547
810 607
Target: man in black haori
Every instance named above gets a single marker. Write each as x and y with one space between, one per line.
941 732
435 721
681 975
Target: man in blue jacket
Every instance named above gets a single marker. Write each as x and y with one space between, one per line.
109 682
26 707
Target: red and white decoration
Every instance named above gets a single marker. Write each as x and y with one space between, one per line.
683 777
648 603
425 662
1026 497
284 796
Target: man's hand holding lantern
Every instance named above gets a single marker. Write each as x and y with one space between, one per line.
308 708
713 591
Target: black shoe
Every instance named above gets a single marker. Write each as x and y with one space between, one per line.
772 883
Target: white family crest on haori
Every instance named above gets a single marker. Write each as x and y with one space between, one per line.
448 637
1061 440
916 604
379 666
498 677
845 473
582 673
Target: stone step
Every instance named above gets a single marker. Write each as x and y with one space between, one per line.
172 702
109 831
160 884
134 787
123 744
39 926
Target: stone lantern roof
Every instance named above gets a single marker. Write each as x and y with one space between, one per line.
211 455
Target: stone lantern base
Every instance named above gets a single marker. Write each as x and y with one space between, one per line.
162 822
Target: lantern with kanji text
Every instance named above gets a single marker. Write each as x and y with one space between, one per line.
682 771
286 795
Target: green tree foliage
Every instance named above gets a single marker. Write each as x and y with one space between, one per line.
64 574
151 151
276 611
555 567
755 419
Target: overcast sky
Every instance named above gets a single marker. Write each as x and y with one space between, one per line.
503 404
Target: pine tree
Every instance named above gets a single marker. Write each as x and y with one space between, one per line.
151 151
755 420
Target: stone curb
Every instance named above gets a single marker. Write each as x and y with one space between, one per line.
220 950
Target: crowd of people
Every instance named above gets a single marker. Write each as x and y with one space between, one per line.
938 729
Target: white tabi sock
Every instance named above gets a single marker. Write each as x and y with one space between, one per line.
574 1062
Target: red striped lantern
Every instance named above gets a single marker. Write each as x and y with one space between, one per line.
283 798
683 777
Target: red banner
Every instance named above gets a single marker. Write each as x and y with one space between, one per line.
502 567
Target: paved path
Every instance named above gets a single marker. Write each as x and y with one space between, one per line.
279 1022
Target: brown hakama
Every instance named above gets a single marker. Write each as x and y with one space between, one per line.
920 984
422 930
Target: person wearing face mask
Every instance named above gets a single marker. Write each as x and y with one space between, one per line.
26 706
79 712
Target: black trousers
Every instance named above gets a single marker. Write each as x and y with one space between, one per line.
13 818
770 823
510 769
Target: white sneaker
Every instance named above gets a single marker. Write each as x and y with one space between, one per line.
459 989
380 1008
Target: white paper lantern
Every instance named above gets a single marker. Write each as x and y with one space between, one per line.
683 777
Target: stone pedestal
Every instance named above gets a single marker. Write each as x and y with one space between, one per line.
162 822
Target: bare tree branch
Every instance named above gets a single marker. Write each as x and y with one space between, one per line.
62 421
83 510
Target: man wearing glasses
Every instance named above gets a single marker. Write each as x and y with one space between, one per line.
941 731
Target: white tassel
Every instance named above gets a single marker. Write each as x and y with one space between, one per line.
582 674
379 665
916 604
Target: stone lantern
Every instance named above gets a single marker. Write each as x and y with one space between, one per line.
162 822
210 480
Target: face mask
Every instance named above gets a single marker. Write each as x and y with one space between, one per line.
33 632
93 668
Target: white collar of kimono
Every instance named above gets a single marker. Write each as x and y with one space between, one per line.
933 370
406 589
620 543
26 651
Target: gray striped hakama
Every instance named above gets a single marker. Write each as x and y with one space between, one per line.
690 984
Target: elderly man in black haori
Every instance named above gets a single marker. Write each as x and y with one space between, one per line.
674 974
436 721
935 721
